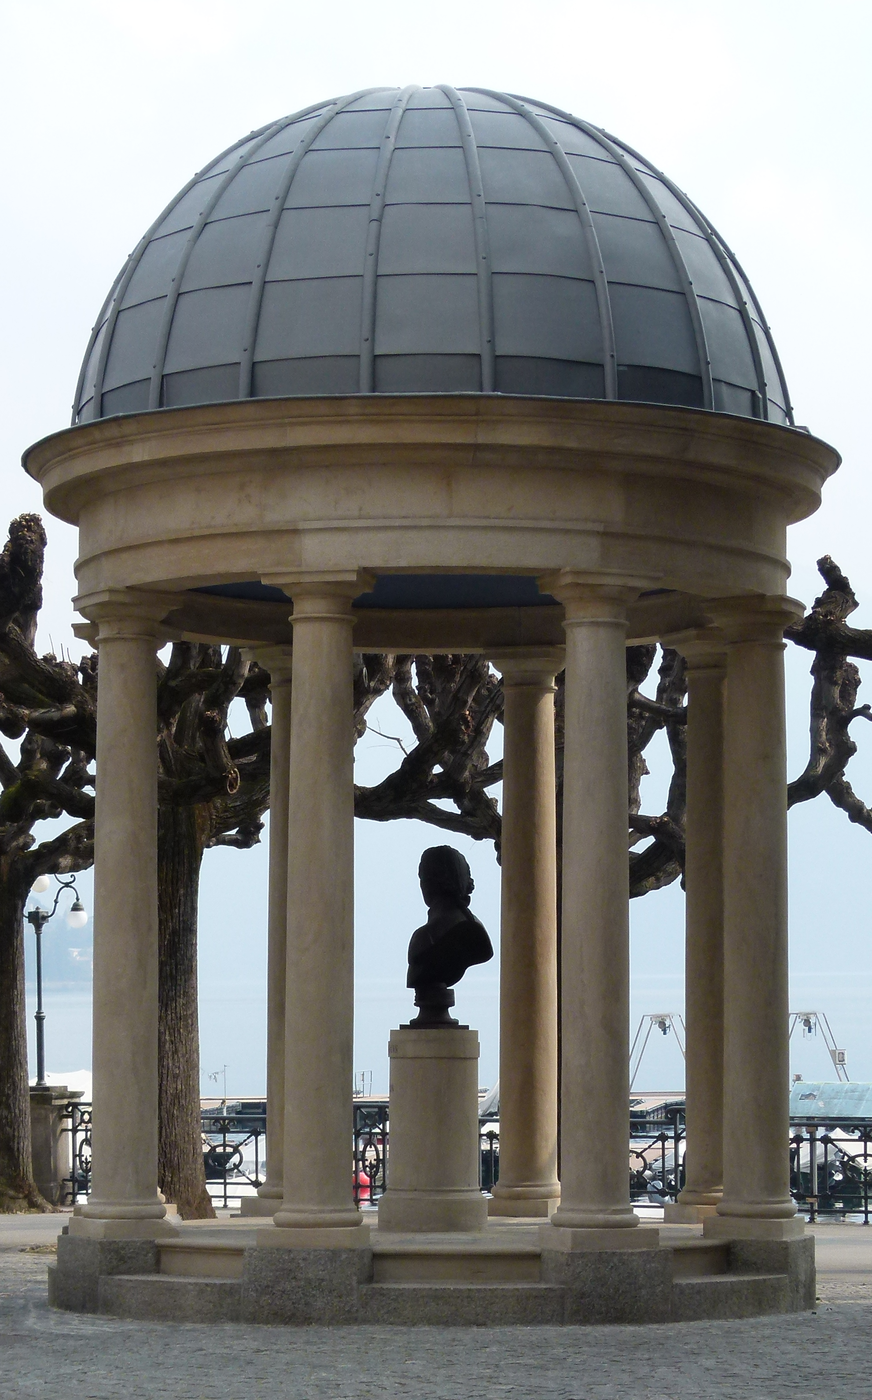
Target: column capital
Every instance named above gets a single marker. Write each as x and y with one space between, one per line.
757 618
124 612
703 648
530 666
278 660
322 583
588 596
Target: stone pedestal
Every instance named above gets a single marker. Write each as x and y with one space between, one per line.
52 1143
433 1162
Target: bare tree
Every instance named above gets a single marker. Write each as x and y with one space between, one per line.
50 707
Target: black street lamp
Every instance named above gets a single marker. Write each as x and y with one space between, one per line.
38 918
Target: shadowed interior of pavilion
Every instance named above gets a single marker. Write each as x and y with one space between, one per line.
435 370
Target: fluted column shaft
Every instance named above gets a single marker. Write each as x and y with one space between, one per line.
125 997
528 1184
319 1000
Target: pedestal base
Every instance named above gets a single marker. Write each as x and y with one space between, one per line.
95 1228
313 1237
568 1240
677 1213
418 1212
523 1207
746 1227
433 1160
300 1286
259 1205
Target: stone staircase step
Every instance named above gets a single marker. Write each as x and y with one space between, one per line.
200 1259
452 1304
700 1258
729 1296
166 1298
430 1266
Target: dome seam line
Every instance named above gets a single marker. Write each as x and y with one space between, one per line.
618 153
582 209
268 236
126 275
377 200
157 373
483 271
726 261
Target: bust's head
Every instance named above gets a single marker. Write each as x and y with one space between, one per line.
445 877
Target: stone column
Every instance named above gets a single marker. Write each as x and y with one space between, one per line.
595 1210
278 661
318 1208
528 1184
756 1202
124 1199
704 921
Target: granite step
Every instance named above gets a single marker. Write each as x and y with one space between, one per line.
427 1265
200 1259
452 1304
168 1298
729 1295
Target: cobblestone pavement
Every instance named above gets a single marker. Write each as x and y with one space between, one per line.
45 1353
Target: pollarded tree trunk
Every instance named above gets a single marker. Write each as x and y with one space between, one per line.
18 1191
182 1178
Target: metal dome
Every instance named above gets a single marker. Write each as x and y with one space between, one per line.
428 240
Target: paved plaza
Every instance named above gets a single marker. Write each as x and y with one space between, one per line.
46 1353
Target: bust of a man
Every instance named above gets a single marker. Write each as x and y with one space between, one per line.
452 939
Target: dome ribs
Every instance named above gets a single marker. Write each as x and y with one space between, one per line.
482 242
736 267
246 362
619 154
373 239
730 266
607 330
122 282
154 393
270 274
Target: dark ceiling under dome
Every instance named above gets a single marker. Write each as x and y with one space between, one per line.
428 240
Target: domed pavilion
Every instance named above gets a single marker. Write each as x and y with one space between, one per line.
450 370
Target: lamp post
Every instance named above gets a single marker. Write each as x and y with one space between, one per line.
38 917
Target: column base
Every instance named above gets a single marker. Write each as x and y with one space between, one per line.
523 1207
569 1240
679 1213
93 1228
260 1205
313 1237
425 1212
747 1227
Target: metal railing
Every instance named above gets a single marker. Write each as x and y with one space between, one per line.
75 1119
830 1162
231 1134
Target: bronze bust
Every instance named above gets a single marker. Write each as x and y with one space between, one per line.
451 941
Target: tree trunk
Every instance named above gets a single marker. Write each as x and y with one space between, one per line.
181 1173
18 1191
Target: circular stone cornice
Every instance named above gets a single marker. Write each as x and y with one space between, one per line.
764 460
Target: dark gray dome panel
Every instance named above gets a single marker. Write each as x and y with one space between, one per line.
431 241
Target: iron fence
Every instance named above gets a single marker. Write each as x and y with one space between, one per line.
234 1138
75 1120
370 1151
830 1162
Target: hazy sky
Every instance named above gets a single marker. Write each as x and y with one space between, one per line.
759 110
